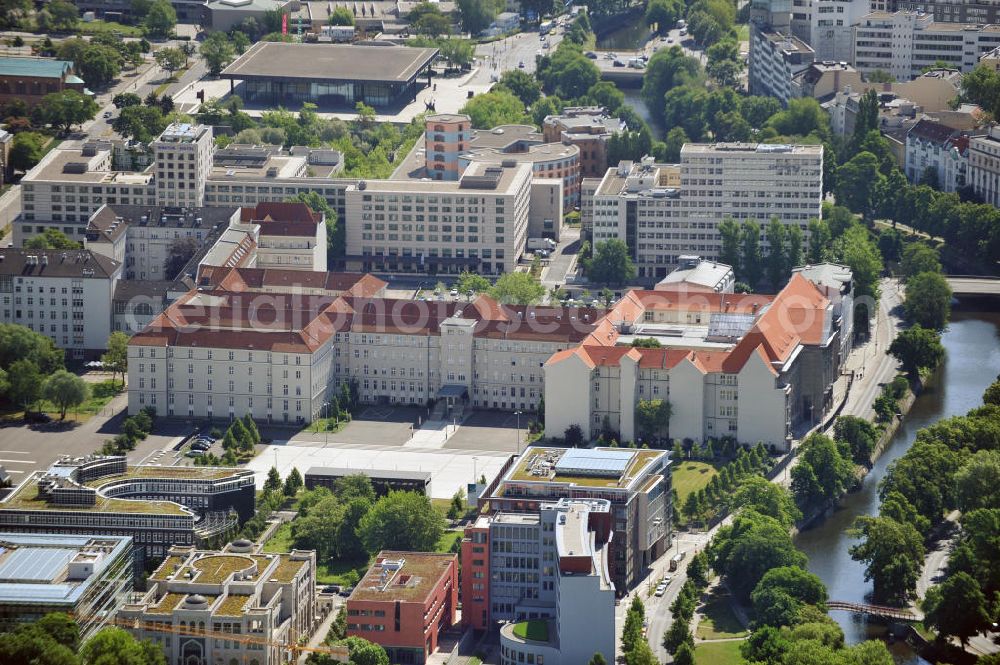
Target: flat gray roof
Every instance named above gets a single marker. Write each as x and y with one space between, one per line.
330 62
371 473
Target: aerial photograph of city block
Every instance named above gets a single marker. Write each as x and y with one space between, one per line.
499 332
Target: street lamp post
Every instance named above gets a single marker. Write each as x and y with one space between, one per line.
326 425
517 414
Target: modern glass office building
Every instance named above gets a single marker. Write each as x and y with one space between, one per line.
89 577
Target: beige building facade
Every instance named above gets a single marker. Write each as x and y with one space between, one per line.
478 223
660 221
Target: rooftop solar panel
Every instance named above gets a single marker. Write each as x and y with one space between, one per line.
730 325
36 564
583 461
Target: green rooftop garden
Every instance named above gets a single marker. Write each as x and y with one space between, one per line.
287 570
536 630
168 603
216 569
167 568
28 499
170 473
232 606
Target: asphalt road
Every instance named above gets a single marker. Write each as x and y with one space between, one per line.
511 52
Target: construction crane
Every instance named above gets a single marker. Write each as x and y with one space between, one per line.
338 652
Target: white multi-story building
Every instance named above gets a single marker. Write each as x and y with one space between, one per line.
233 605
68 185
478 223
832 27
246 175
775 58
984 166
660 223
749 367
63 294
941 149
183 159
904 43
276 347
696 274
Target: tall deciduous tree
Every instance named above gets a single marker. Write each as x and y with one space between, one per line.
976 482
27 149
751 262
729 232
928 300
24 383
68 108
65 390
893 553
114 646
611 263
917 348
171 59
217 51
653 416
917 258
116 357
957 608
777 254
495 108
744 551
161 19
517 288
401 521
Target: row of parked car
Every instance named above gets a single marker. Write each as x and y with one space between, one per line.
200 445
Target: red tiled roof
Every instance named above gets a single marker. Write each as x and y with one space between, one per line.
251 279
280 211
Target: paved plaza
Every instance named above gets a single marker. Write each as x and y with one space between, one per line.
450 469
389 438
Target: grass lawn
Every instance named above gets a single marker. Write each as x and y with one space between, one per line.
719 621
718 653
322 425
327 572
447 541
97 27
337 572
281 541
743 32
100 394
692 476
536 629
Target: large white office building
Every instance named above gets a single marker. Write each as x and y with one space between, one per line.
242 345
776 57
750 367
64 294
904 43
661 222
479 222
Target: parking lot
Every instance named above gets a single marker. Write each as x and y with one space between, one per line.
24 449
